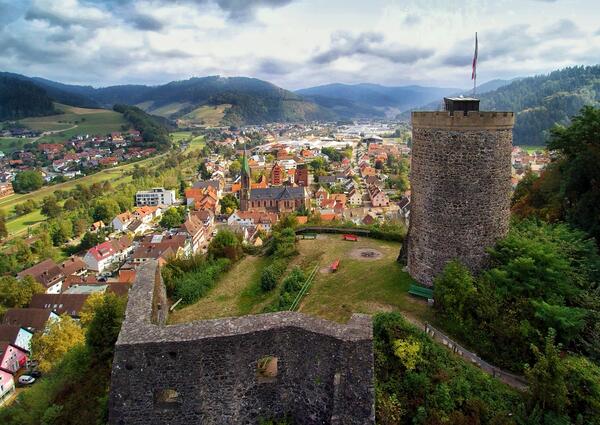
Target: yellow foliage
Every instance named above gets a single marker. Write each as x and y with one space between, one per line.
408 351
89 308
49 347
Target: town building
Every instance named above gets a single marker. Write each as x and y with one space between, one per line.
48 273
155 196
253 219
277 175
378 197
106 254
301 177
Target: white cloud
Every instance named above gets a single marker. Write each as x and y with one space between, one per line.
293 43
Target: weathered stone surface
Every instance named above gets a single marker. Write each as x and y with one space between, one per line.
324 369
460 189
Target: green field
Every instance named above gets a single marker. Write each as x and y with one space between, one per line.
74 121
531 149
10 144
206 115
359 286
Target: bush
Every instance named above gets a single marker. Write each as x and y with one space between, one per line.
194 285
272 273
290 288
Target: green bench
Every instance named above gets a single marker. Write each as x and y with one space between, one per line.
420 291
309 236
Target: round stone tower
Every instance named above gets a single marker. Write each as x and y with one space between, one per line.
460 186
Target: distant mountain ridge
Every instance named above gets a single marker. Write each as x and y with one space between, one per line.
372 100
248 100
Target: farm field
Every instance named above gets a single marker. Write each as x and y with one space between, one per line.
361 285
76 121
206 115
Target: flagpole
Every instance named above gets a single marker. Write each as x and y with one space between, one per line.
475 58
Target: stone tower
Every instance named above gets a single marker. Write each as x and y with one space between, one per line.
245 184
460 184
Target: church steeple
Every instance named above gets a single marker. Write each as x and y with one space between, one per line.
245 181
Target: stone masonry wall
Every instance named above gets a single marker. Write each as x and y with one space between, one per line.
209 368
460 189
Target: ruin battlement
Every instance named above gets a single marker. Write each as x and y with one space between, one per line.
208 371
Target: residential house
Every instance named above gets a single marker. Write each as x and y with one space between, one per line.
122 221
48 273
106 254
146 213
161 248
17 336
252 219
199 234
7 386
73 266
32 319
12 358
155 196
378 198
354 197
70 304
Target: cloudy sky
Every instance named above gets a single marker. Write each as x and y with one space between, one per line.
295 43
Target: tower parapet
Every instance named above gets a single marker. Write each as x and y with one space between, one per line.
460 186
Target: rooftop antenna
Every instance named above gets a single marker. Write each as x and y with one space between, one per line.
474 68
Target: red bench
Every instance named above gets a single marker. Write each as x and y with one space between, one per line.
352 238
335 265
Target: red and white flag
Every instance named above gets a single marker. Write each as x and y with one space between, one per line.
474 71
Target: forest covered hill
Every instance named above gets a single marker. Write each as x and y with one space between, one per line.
19 99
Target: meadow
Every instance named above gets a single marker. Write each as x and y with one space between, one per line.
74 121
361 285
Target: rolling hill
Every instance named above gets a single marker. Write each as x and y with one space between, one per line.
540 101
372 100
242 100
20 98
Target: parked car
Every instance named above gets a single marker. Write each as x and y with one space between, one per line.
34 373
26 380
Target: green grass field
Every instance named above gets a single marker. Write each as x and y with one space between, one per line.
74 121
531 149
359 286
10 144
206 115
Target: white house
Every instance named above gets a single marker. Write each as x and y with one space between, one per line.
252 219
7 386
155 196
122 221
102 256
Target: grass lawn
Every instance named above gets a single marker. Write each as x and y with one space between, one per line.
531 149
178 136
359 286
76 121
20 224
10 144
206 115
236 294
